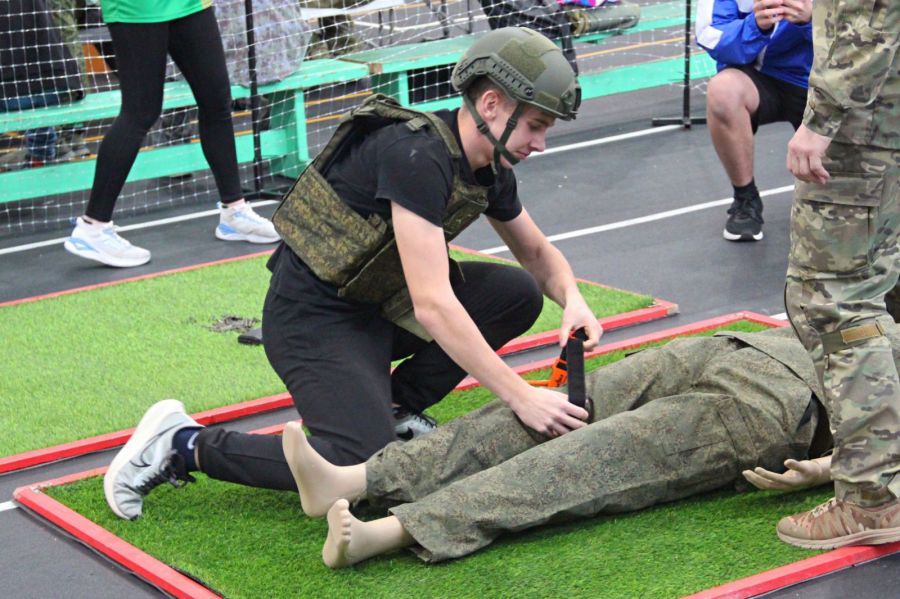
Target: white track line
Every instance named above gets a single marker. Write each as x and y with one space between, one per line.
606 140
8 505
146 225
205 213
643 219
566 148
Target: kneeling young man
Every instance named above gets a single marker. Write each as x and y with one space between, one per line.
363 278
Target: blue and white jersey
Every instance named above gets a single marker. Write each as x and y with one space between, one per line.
727 30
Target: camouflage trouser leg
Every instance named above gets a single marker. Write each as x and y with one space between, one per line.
404 472
669 449
844 259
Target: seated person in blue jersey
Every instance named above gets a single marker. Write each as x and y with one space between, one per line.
763 52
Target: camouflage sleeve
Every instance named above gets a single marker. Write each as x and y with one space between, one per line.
855 44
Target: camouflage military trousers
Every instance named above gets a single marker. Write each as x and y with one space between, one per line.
680 430
843 261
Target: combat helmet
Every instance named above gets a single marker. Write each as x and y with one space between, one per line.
529 68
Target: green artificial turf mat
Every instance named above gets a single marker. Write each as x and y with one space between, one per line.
92 362
246 542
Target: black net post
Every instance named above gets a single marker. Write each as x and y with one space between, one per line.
686 120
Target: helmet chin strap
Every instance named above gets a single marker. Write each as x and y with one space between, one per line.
499 144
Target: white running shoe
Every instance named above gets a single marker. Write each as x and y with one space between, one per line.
100 242
241 223
147 460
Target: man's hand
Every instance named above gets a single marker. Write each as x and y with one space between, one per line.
805 152
548 412
768 13
577 315
798 12
799 475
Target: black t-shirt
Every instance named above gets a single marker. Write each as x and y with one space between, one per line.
396 164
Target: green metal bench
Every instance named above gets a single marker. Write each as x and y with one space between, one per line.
284 143
391 68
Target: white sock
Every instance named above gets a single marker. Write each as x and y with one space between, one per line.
93 226
234 205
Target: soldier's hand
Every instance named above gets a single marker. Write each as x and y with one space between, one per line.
767 13
804 158
799 475
798 12
548 412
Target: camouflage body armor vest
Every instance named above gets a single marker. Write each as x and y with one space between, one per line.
357 254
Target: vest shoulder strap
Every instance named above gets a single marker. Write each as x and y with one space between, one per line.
375 112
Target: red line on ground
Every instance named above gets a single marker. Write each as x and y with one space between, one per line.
797 572
152 275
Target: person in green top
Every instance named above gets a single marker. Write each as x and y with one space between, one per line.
158 11
143 33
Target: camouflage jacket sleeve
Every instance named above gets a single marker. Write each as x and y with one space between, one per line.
855 44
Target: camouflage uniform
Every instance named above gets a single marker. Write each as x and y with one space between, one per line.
670 423
844 254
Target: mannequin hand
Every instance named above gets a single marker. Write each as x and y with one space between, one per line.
799 475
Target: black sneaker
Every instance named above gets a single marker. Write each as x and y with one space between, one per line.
409 424
744 220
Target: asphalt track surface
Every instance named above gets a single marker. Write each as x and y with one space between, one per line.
645 198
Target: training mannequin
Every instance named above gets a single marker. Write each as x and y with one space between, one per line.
456 489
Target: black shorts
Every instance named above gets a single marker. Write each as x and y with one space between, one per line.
778 100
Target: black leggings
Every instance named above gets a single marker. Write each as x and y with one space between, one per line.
336 365
195 45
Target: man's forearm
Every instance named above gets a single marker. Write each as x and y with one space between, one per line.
453 329
553 274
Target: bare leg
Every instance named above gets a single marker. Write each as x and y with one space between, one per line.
321 483
350 540
730 100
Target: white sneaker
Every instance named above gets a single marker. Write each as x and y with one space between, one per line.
100 242
241 223
147 460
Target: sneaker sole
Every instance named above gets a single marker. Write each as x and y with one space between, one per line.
142 433
249 238
733 237
867 537
98 257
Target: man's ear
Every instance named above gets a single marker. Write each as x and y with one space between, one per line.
489 104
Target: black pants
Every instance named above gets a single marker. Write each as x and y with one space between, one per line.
196 47
336 365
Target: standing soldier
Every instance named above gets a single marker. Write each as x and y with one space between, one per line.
844 260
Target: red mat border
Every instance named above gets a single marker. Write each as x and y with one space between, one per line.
179 585
659 309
